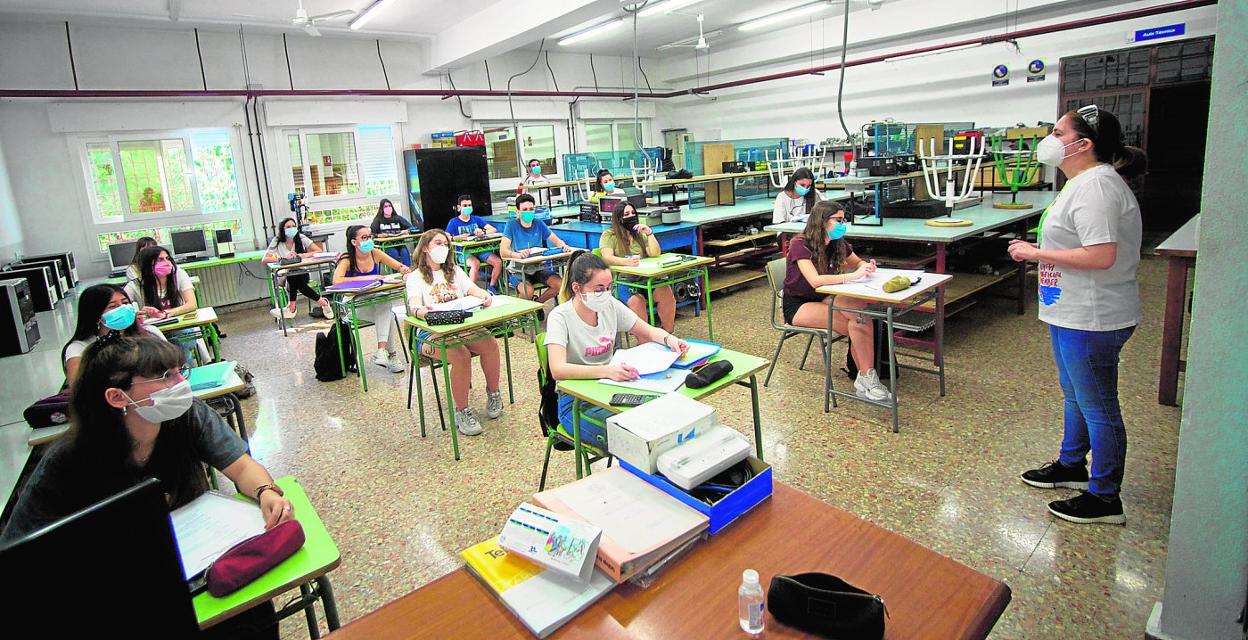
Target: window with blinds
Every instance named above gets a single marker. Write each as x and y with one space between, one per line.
376 149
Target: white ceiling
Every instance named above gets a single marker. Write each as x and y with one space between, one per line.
419 18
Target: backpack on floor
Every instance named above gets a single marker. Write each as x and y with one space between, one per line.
881 354
326 362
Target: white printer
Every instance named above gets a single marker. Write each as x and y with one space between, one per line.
698 459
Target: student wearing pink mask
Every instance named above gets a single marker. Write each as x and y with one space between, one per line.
162 290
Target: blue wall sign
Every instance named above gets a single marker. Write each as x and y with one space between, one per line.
1157 33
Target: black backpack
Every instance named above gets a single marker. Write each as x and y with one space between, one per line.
548 410
326 362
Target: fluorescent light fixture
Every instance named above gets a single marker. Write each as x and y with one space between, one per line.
937 52
665 7
367 14
781 16
601 27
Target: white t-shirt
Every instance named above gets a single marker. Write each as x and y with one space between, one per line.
421 293
585 344
533 186
77 347
789 209
135 291
1095 207
282 249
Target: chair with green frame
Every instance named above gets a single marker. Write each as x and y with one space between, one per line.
556 437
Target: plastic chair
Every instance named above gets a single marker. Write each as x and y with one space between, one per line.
554 433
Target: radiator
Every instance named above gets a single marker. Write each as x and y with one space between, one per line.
230 284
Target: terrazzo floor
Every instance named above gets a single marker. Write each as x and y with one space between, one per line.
400 507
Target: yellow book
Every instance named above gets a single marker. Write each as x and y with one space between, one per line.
542 599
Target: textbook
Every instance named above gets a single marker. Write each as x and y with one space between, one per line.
541 598
640 524
209 376
354 286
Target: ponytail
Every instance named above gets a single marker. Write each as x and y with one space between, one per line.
583 265
1131 162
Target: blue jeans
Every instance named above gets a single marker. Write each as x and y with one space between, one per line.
1087 368
401 254
591 434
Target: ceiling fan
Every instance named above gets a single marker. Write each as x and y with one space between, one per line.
308 23
700 43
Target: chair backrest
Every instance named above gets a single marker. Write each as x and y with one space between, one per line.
775 277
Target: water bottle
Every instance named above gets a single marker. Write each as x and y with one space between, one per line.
750 603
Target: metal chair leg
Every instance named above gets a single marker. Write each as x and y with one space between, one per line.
437 396
806 353
550 441
783 336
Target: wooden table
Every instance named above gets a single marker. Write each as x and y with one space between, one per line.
1180 251
928 595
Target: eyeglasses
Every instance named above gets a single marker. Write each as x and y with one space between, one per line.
182 372
1091 114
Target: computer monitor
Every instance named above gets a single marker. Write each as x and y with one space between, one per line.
117 563
121 254
189 245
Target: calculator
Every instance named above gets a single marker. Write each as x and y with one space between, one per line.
630 399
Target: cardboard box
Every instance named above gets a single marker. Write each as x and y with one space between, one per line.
640 434
727 510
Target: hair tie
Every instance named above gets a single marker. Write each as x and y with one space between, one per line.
109 338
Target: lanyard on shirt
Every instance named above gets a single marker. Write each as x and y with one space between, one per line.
1038 230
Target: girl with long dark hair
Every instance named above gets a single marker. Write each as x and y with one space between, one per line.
625 244
362 261
388 222
132 269
162 290
289 244
821 256
797 199
102 309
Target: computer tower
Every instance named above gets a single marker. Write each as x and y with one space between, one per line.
69 266
19 330
59 276
224 241
436 177
42 284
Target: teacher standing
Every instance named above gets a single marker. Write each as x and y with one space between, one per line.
1089 248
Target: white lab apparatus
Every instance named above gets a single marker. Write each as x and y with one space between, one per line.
640 434
697 460
950 163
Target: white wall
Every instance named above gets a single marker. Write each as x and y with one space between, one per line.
10 222
948 87
46 176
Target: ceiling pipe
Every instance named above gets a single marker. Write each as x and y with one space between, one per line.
1182 5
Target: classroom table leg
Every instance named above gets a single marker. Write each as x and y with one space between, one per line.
511 393
213 342
1172 331
892 364
828 398
342 361
309 612
420 389
330 604
940 337
240 421
359 346
450 398
758 421
576 435
650 308
706 291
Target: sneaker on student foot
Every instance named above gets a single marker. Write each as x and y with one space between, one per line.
494 404
381 358
1055 474
395 363
467 423
1087 508
492 289
328 310
868 386
289 314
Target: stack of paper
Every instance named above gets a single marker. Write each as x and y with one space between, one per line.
541 598
648 358
210 525
354 286
640 524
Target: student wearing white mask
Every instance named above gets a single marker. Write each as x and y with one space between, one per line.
1088 252
437 279
581 337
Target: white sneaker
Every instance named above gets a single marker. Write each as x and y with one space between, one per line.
494 404
395 363
289 314
868 386
328 310
467 423
381 358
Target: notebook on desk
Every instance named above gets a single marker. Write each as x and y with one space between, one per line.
354 286
209 376
640 524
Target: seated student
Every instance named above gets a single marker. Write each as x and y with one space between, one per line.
102 309
604 185
289 243
162 290
362 262
524 237
133 416
466 226
132 269
821 256
625 244
438 279
388 222
798 197
581 334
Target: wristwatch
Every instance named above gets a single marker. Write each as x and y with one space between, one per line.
268 487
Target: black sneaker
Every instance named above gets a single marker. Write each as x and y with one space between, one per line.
1086 508
1055 474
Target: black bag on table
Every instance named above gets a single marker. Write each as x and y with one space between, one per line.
827 606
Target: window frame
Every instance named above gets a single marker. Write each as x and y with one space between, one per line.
317 204
113 141
303 132
556 126
642 126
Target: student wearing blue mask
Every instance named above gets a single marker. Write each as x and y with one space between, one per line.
102 309
524 237
822 256
290 244
466 226
604 185
797 199
363 261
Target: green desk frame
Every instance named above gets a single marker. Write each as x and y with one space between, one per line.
348 306
668 277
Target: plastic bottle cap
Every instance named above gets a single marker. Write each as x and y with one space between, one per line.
750 576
